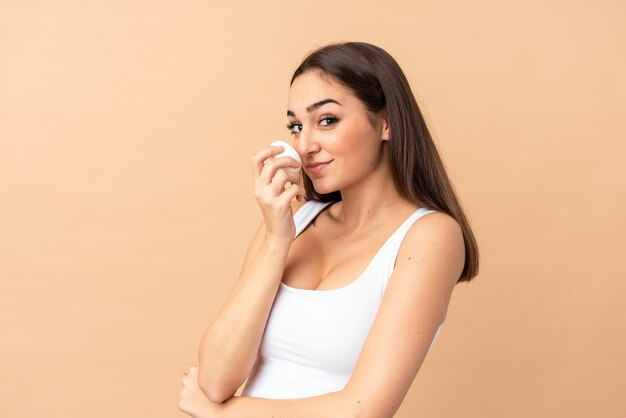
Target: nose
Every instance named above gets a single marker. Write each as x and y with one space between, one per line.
306 144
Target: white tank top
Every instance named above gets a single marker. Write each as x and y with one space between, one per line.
313 337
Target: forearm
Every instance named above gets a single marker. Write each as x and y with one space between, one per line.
230 344
335 404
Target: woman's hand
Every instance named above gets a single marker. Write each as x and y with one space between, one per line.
274 199
193 401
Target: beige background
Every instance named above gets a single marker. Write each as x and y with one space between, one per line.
126 203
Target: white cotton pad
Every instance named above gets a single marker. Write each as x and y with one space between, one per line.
288 152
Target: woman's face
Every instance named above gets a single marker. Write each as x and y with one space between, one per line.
332 132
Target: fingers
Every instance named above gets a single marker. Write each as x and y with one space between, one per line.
264 167
190 370
192 398
275 175
293 191
191 376
259 158
279 181
271 166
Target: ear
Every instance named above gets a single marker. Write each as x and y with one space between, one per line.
386 129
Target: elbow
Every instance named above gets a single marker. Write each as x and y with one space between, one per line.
215 389
216 396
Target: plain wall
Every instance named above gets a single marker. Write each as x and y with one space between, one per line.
126 204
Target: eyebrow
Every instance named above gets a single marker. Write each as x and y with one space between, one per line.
315 106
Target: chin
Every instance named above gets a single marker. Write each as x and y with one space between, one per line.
322 187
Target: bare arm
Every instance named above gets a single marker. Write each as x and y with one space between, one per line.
230 344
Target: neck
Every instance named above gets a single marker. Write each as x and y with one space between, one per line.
371 202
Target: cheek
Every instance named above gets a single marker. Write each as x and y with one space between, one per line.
360 160
351 141
364 149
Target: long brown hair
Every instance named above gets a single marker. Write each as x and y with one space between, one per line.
418 172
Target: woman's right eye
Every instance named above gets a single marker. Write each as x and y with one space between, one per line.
292 125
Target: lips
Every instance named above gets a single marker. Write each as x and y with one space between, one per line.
316 168
316 164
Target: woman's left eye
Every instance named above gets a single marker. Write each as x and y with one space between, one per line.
330 120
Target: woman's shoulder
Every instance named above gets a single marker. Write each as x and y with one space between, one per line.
435 223
436 234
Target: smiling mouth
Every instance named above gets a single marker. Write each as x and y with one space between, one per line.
317 167
316 164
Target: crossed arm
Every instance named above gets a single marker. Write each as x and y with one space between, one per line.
415 302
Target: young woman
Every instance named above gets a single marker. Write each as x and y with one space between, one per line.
338 320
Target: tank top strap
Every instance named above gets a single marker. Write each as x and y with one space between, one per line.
306 213
395 241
